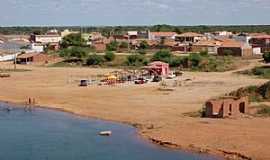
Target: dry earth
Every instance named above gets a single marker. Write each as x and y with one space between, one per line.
159 115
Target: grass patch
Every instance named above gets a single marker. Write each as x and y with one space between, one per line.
262 72
263 110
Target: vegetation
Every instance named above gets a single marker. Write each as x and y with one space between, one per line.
109 56
73 40
143 45
74 51
123 45
136 60
113 46
94 60
263 71
163 55
255 93
120 29
266 57
263 110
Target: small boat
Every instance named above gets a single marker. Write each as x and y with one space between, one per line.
105 133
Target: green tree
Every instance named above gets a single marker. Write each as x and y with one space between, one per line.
162 55
123 45
113 46
109 56
136 60
94 60
266 57
195 59
74 51
72 40
144 45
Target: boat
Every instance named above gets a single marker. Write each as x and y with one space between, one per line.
105 133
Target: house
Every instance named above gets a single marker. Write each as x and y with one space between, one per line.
36 47
34 58
100 47
161 35
234 48
189 37
158 68
210 46
45 39
226 107
261 41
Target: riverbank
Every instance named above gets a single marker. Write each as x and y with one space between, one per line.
158 115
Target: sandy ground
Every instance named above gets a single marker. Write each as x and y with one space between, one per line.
158 114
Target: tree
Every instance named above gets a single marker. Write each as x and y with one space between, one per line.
94 60
266 57
162 55
123 45
195 59
77 52
136 60
72 40
109 56
144 45
113 46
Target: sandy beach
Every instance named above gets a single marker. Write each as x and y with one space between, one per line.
157 114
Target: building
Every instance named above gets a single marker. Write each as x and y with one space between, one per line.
35 58
36 47
161 35
159 68
261 41
226 107
100 47
234 48
46 39
189 37
210 46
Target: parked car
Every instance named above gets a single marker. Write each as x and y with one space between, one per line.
84 83
140 81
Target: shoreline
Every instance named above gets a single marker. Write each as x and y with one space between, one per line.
139 131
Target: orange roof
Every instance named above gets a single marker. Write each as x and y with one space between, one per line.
231 43
165 34
265 36
190 34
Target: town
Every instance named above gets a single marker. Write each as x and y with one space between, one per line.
183 90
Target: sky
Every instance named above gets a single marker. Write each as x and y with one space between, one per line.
133 12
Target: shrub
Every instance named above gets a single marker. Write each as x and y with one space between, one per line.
204 53
142 51
136 60
77 52
143 45
72 40
94 60
109 56
227 52
162 55
264 110
266 57
195 59
113 46
123 45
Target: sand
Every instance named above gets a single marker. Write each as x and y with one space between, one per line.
157 114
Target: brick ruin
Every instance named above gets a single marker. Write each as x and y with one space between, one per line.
226 107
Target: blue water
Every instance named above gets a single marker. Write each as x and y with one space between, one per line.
51 135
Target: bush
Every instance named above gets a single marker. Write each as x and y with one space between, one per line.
136 60
77 52
162 55
266 57
113 46
72 40
143 45
204 53
142 51
109 56
195 59
123 45
94 60
264 110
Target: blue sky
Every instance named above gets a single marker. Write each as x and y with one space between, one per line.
133 12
